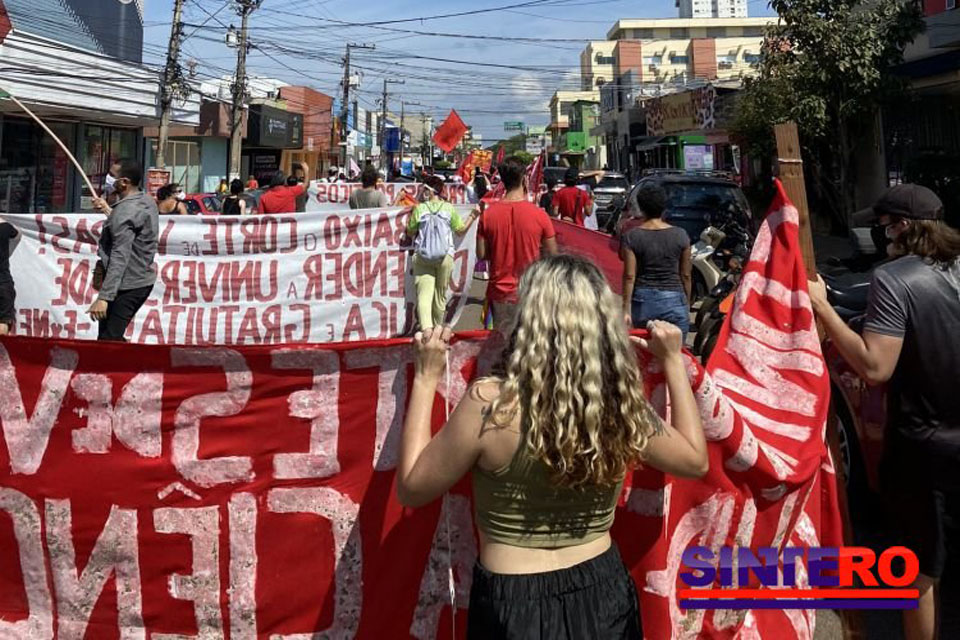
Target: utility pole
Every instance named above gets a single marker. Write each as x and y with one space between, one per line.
239 88
403 138
345 106
424 145
383 122
172 83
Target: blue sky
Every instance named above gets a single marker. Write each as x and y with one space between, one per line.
302 42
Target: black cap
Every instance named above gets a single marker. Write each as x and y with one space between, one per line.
912 201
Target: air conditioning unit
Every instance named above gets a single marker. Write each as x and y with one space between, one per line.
653 68
725 65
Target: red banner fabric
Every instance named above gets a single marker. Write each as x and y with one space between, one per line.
449 134
602 249
249 490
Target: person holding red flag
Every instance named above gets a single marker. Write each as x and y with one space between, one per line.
909 338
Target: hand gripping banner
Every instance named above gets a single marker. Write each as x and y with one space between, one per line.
248 491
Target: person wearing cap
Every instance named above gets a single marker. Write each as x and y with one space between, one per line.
571 203
910 339
333 174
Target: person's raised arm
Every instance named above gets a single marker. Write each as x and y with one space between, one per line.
681 448
430 465
874 355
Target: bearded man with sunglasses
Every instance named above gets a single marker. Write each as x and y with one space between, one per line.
911 338
128 245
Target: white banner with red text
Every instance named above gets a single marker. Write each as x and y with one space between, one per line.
326 196
330 276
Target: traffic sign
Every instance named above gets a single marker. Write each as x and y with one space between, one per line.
513 125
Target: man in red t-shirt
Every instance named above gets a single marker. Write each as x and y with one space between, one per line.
513 233
280 198
571 202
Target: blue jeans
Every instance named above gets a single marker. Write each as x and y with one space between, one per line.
659 304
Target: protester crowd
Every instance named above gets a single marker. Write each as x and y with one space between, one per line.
549 435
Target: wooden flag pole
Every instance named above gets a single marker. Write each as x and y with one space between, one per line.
790 163
6 94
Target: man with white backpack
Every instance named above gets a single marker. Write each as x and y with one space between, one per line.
432 225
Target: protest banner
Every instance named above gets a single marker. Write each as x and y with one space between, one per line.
328 196
331 276
150 490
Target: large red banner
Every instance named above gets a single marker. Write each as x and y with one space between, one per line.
248 491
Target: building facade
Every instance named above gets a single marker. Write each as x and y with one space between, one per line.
597 64
79 68
656 58
712 8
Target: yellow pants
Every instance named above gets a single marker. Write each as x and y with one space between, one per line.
432 278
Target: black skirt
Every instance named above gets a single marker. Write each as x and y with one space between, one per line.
594 599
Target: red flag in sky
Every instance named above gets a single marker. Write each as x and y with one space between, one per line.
450 133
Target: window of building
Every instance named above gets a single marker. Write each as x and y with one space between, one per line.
753 32
751 58
602 59
183 160
679 33
654 60
643 34
680 59
716 32
35 174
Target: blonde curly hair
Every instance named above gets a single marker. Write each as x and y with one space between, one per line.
571 374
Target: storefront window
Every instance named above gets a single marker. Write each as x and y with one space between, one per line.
35 174
100 147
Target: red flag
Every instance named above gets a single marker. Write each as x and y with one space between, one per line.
450 133
535 177
465 171
500 154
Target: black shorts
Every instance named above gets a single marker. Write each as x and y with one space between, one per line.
8 296
595 599
919 517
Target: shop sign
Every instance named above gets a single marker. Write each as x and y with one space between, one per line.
156 178
684 111
270 127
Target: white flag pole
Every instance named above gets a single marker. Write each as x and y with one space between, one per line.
6 94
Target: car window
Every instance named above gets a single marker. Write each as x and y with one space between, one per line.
613 183
702 195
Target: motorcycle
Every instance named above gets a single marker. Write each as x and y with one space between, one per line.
724 244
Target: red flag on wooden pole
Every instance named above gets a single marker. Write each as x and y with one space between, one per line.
450 133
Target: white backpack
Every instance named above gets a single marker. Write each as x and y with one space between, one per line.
435 235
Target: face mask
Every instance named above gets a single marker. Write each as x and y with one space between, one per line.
109 180
180 195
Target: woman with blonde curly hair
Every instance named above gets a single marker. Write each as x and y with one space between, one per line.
549 438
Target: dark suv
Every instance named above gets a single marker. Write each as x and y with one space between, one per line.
692 197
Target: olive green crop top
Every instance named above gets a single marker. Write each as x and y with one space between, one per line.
521 506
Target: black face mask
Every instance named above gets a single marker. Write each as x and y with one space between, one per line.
878 233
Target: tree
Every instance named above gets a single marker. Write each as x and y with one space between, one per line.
827 65
522 156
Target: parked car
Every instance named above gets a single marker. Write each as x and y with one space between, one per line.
204 204
692 197
610 185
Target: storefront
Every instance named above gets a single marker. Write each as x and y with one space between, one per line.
99 118
270 132
37 177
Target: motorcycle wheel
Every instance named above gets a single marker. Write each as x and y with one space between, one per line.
699 289
709 346
707 305
703 333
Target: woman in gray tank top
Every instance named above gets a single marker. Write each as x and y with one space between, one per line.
656 265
